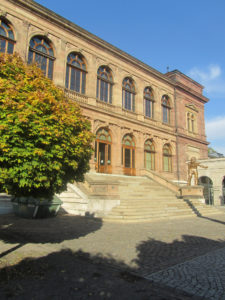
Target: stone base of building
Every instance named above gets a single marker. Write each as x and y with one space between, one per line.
195 191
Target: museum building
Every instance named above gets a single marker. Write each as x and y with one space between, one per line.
144 121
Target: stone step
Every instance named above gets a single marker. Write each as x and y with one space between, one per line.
148 216
150 201
149 208
69 195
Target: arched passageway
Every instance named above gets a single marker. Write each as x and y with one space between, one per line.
207 183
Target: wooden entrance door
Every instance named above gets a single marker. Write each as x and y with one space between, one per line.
103 152
128 156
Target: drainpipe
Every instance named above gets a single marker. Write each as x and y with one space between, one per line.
176 131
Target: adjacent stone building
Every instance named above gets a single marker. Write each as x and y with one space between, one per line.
143 119
213 180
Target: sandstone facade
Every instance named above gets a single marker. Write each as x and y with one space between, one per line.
143 119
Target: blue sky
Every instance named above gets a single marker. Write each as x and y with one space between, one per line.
188 35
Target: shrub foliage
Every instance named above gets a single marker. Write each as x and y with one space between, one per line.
45 142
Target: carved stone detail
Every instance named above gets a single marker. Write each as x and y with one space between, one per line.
3 13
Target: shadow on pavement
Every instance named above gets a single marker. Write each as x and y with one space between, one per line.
80 275
15 230
68 275
154 255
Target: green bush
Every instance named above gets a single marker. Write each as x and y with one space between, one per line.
45 142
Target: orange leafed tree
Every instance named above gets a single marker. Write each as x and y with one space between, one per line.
45 141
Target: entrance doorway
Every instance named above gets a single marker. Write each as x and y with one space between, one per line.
207 183
128 155
103 151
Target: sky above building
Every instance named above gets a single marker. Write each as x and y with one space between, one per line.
184 35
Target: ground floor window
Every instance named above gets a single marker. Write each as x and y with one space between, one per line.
167 158
149 155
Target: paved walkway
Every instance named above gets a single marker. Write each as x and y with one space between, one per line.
185 254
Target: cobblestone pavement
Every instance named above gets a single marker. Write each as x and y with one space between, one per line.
202 276
186 254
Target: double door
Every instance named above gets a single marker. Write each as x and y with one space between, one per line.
128 160
103 157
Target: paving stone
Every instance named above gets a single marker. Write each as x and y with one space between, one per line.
186 254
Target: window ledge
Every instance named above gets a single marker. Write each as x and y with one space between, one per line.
129 113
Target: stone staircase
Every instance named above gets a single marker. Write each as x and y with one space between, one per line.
142 199
74 201
129 199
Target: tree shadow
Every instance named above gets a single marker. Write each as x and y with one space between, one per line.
154 255
80 275
15 230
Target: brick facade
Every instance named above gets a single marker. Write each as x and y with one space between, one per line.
29 19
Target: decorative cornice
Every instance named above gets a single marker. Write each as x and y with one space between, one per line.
192 107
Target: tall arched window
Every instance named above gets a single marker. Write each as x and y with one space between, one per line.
149 155
76 73
41 52
165 109
167 158
7 39
149 102
104 84
191 122
128 94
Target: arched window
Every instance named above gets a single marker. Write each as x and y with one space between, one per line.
7 39
76 73
165 109
191 122
149 102
41 52
167 158
149 155
104 84
128 94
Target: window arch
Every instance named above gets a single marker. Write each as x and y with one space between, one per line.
165 109
103 135
128 100
167 158
76 73
104 84
149 150
128 140
7 39
41 52
149 102
191 123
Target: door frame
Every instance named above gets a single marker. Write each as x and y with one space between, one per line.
131 171
107 167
